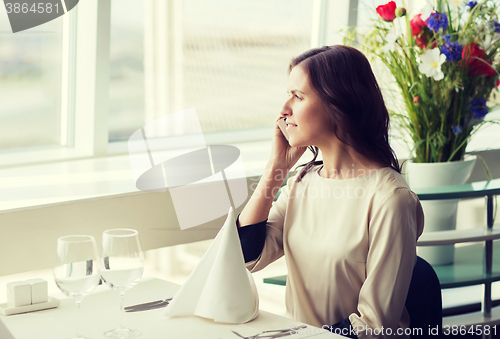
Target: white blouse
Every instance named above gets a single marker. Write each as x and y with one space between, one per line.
350 248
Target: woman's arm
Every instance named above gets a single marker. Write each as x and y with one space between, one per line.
262 237
258 207
262 242
395 224
283 157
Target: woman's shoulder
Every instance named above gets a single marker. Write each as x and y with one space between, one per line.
390 178
393 196
391 185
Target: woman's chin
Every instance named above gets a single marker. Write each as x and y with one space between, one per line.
295 144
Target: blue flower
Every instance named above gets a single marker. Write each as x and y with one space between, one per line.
447 38
472 4
478 108
456 129
437 20
453 51
495 26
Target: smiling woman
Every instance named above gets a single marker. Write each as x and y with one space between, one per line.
347 225
306 119
346 101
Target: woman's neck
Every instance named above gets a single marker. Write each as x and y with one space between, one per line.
343 162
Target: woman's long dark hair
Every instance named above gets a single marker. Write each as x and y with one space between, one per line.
343 78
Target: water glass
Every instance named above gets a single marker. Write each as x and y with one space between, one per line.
76 270
122 264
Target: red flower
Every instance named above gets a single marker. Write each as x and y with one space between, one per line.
416 99
423 41
475 59
498 83
417 25
387 11
418 30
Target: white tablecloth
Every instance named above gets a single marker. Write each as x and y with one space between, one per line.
100 313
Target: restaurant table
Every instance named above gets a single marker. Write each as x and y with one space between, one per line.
100 312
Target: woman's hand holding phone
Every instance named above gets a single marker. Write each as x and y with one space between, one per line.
283 157
282 153
282 126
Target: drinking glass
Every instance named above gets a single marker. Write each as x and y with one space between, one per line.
76 270
122 263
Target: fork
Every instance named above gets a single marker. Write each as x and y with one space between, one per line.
267 334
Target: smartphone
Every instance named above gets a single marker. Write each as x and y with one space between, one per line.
282 126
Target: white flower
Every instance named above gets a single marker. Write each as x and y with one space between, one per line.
464 17
490 41
487 42
431 64
455 6
427 9
391 39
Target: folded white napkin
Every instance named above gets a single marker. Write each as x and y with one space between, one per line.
220 287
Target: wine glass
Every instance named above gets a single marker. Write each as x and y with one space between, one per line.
122 263
76 270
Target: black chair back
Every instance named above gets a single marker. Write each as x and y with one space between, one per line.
424 302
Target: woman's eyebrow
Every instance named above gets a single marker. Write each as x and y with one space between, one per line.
296 90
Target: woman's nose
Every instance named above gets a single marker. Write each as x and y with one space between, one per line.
286 110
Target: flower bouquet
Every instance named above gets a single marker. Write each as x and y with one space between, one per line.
444 60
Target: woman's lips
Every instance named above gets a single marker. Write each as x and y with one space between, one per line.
290 126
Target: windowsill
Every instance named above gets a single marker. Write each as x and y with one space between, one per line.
35 156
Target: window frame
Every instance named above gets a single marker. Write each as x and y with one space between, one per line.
85 46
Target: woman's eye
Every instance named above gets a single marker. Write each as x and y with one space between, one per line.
290 95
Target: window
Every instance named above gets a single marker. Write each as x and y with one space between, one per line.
30 85
126 68
226 58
